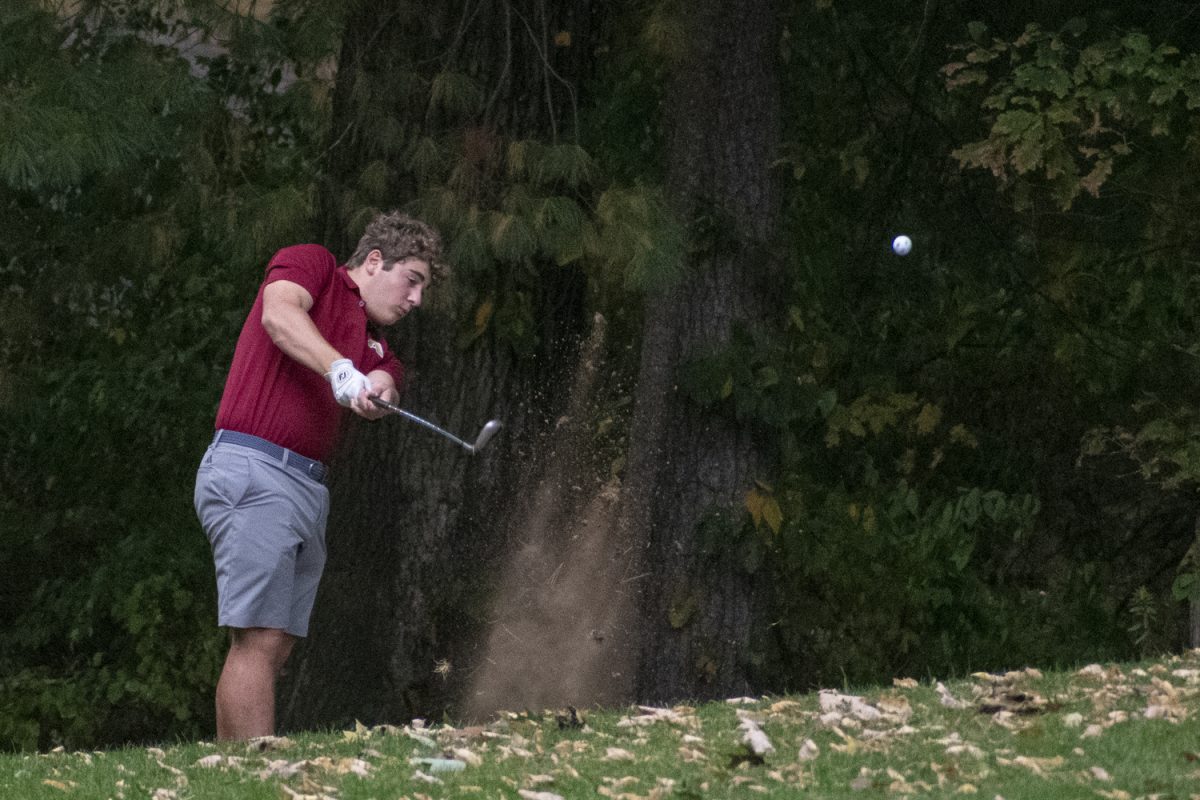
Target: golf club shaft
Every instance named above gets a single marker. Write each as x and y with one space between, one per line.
395 409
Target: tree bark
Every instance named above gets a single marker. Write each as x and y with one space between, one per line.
1194 604
416 529
687 463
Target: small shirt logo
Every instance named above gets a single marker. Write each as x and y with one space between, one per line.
376 346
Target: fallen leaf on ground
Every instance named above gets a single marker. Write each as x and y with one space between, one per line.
291 793
353 766
651 715
469 756
1016 702
263 744
861 783
1038 766
421 776
847 704
948 700
528 795
754 738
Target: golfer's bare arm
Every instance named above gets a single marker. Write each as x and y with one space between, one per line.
286 320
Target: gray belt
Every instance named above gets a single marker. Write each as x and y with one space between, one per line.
313 469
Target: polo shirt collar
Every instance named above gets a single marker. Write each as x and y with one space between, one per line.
344 274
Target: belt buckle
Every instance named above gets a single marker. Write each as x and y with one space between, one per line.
315 470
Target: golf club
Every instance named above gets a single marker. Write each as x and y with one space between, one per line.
485 435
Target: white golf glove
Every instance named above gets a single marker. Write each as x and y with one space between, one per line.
347 382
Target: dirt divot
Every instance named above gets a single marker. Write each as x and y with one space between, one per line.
560 630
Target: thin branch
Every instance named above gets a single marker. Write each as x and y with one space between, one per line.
464 25
549 70
508 48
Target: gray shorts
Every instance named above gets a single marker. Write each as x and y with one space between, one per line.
265 519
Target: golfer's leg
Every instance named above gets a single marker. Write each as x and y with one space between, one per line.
246 690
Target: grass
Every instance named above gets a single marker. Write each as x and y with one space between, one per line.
1118 731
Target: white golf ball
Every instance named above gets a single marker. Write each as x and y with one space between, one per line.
901 245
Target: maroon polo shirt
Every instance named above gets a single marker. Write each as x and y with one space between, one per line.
267 394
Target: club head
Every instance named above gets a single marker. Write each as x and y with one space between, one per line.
485 435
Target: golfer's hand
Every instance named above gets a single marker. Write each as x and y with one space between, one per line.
384 391
350 387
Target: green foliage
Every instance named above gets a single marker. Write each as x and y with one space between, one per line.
455 93
1067 110
138 202
1095 123
1165 448
901 579
1143 612
637 240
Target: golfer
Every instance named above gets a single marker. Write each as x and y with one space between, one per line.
308 350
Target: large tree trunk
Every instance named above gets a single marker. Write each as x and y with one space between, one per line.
417 525
688 466
1194 604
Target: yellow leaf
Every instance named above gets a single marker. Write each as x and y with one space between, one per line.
562 39
727 389
359 733
483 314
754 504
960 435
773 514
64 786
928 419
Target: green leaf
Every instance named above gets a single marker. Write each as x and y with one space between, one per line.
511 237
567 164
684 606
456 93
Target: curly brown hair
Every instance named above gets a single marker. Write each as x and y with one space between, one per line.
398 236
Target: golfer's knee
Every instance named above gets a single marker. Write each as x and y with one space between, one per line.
270 645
